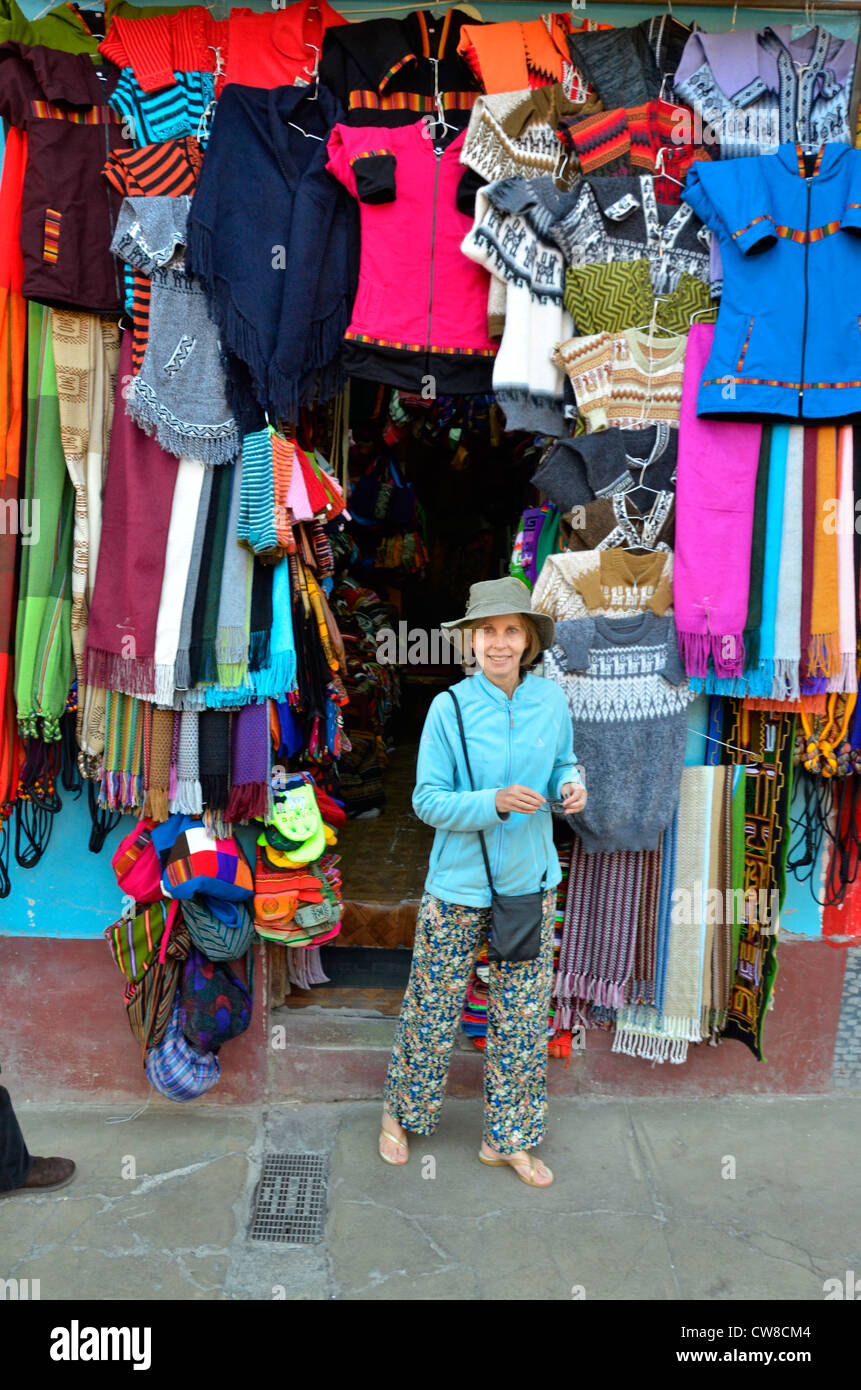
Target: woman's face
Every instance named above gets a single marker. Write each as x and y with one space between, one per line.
499 643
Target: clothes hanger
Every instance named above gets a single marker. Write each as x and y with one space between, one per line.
312 82
672 16
653 323
661 171
700 311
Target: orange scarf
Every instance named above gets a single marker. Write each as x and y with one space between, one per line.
823 653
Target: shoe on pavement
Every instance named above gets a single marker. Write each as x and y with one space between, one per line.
45 1175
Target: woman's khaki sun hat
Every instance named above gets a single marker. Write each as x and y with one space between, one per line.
493 598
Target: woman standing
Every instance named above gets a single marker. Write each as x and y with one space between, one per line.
517 729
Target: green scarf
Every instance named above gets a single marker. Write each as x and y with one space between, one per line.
43 642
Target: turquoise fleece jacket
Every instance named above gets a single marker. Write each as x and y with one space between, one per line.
528 740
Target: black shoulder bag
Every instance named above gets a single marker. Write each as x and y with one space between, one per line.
516 920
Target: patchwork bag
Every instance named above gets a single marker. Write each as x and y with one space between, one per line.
195 862
175 1069
134 939
215 1005
136 864
221 930
149 1001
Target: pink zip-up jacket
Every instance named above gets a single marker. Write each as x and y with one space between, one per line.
421 305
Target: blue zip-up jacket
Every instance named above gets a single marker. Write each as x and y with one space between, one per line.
527 740
788 334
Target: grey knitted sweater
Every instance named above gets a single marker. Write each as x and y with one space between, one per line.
628 693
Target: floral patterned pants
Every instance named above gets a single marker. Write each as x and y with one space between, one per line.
515 1054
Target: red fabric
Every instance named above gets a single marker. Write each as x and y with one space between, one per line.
156 47
141 477
277 50
401 238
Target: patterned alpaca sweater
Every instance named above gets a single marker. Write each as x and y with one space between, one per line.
627 693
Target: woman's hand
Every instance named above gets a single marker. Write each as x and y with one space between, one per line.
517 798
573 797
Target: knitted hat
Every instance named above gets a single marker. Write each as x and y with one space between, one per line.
493 598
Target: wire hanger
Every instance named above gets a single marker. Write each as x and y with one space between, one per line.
312 75
672 16
653 324
660 171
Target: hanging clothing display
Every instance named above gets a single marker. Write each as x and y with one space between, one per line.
407 325
154 48
281 49
656 137
308 322
181 368
756 91
264 199
511 237
619 218
533 53
514 134
631 65
67 219
625 380
628 694
787 219
387 72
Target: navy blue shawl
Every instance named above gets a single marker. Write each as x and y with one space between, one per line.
273 238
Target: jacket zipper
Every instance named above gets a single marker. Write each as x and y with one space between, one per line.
804 322
507 780
438 155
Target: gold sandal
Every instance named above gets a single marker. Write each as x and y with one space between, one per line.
529 1179
401 1143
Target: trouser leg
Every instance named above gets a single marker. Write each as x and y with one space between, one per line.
446 938
515 1054
15 1161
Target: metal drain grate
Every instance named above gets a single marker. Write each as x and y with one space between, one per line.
290 1199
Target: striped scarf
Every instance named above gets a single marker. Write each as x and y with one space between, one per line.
126 723
600 927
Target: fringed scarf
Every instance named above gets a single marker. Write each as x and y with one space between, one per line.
642 987
261 617
120 650
43 645
823 652
715 488
600 927
189 797
846 678
278 677
86 354
684 979
766 791
180 538
232 633
202 663
639 1029
722 942
763 680
158 772
182 669
214 758
126 723
249 757
787 627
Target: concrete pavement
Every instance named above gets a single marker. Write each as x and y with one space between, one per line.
662 1200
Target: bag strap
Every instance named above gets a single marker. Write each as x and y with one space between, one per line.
472 785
